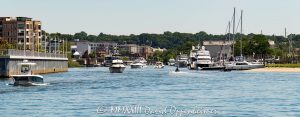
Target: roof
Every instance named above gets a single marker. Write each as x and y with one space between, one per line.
76 53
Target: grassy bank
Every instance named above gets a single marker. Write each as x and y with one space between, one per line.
72 64
285 65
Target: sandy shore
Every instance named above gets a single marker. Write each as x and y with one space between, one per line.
275 69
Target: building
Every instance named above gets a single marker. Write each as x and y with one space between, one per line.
16 30
215 47
102 47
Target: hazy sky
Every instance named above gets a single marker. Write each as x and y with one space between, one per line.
123 17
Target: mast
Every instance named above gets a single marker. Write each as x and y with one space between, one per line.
242 33
233 31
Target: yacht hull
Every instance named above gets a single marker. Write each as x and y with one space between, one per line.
27 80
244 67
116 69
136 66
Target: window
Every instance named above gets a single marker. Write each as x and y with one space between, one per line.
27 26
27 40
39 27
21 26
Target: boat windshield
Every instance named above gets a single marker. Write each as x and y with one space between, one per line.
241 64
203 58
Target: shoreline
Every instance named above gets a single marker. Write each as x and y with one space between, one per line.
275 69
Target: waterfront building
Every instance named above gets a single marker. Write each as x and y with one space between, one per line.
102 47
215 47
22 31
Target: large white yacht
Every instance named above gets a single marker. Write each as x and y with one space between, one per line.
117 66
203 58
26 78
199 57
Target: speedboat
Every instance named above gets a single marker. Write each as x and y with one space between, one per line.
117 66
138 63
159 65
26 78
172 62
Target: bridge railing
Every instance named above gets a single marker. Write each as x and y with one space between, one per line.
27 53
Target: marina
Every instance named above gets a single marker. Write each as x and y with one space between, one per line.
81 91
152 58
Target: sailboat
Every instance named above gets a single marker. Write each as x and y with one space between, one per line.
240 63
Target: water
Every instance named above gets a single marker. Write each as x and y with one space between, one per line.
95 91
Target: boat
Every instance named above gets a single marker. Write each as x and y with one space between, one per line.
203 58
199 57
172 62
137 64
159 65
242 65
192 58
117 66
108 60
182 60
26 78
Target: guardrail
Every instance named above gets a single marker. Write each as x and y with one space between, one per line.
12 52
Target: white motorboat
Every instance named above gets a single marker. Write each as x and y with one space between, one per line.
26 78
171 62
159 65
117 66
242 65
182 60
139 63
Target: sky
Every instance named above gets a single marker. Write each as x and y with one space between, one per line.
125 17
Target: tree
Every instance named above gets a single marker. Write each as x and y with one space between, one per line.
80 35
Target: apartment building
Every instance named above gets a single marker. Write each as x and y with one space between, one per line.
22 31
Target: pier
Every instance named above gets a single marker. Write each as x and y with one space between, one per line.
45 62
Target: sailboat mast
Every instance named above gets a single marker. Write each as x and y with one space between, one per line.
233 31
241 33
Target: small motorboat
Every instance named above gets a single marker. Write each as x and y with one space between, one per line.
139 63
159 65
26 78
117 66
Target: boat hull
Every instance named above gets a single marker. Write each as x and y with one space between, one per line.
27 80
136 66
182 64
116 69
244 67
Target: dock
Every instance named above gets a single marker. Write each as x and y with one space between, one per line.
45 62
